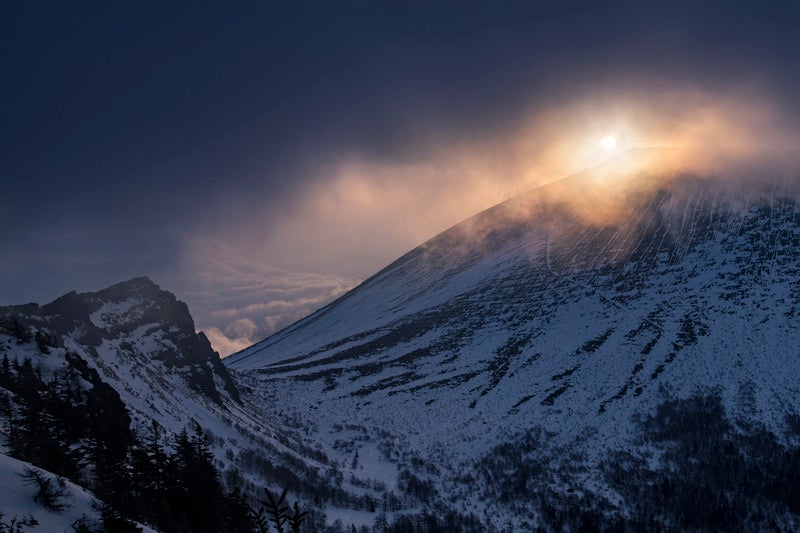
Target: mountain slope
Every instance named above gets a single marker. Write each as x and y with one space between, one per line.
121 370
18 505
145 315
138 338
576 310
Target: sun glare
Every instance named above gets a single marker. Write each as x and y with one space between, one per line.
609 143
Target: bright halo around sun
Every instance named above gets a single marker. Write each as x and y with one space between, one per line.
608 143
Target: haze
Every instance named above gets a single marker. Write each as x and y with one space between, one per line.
259 161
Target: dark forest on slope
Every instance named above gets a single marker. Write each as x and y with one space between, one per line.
693 469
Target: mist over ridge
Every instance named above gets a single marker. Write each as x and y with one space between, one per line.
550 340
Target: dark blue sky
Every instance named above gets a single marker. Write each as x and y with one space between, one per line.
127 128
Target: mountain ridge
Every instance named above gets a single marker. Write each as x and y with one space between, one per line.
580 309
504 213
123 369
605 352
95 317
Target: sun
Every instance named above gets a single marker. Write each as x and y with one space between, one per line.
608 143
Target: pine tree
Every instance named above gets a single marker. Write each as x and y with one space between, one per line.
198 496
236 515
5 372
50 492
116 522
150 464
37 436
153 479
276 510
108 430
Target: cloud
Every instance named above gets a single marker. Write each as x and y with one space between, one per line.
241 328
238 298
364 209
387 126
224 344
262 271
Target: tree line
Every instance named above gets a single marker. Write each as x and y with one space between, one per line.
83 433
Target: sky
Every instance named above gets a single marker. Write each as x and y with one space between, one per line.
258 159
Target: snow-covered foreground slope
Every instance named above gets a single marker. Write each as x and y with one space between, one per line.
575 311
18 501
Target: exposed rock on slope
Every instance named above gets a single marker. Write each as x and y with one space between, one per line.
146 323
573 310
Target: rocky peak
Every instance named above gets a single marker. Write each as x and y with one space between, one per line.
146 322
141 286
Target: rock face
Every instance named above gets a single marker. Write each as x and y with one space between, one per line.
573 312
123 369
115 391
142 321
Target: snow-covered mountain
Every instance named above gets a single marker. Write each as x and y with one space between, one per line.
616 349
507 366
139 339
134 320
123 367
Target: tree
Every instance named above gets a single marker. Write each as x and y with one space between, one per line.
16 524
151 470
236 513
50 492
5 372
115 521
36 435
275 510
200 494
110 437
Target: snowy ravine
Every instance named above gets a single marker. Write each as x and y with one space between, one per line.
566 323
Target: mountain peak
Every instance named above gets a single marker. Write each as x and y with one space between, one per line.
566 315
135 287
139 282
612 295
146 322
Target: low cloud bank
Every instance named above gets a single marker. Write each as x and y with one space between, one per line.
238 299
263 270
